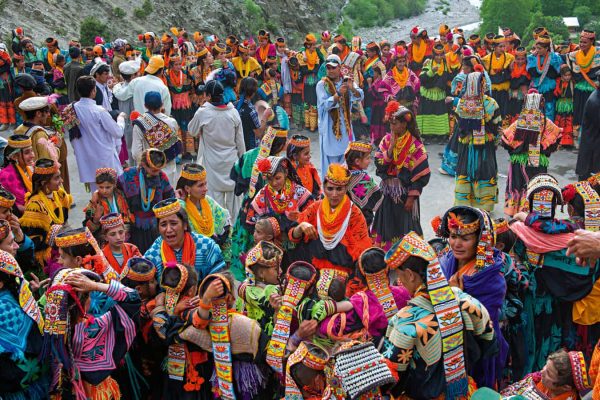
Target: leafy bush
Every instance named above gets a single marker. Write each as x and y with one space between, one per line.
119 12
144 11
90 28
495 13
555 25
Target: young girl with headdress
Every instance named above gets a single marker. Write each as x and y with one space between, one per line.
144 186
298 152
362 189
205 216
116 250
107 199
402 163
564 93
17 171
260 293
283 197
48 204
519 84
180 84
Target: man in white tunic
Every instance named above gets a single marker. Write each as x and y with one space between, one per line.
98 142
221 144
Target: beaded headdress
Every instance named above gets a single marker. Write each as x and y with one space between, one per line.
41 170
439 49
499 39
256 256
591 35
309 354
363 147
579 371
264 152
268 166
4 229
166 207
172 293
221 339
149 161
73 237
487 239
337 174
51 237
133 272
545 39
299 141
7 199
193 174
111 220
19 142
500 226
263 34
293 294
591 203
372 46
9 266
410 245
541 191
378 283
109 171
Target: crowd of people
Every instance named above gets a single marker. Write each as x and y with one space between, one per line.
248 272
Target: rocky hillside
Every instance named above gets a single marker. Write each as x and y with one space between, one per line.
62 18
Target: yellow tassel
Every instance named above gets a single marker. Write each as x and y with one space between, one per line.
174 31
108 389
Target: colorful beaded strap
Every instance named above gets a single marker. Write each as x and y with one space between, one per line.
221 343
591 202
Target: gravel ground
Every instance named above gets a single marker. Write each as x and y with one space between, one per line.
437 196
463 13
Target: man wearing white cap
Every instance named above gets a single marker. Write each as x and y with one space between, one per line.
101 73
150 82
335 95
37 111
128 70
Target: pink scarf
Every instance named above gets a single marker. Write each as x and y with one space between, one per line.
539 242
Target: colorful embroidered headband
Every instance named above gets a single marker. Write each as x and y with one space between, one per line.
579 371
262 34
19 144
256 256
501 226
54 230
458 227
4 229
359 146
172 293
545 39
149 158
7 199
72 238
202 52
588 34
193 175
520 51
378 282
299 141
544 181
410 245
439 49
268 166
591 203
499 39
109 171
166 208
112 220
294 292
46 170
130 270
338 175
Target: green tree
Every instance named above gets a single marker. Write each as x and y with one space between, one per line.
515 14
561 8
583 14
90 28
555 25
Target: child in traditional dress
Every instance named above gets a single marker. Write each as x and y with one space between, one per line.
116 251
564 106
362 189
271 90
260 293
106 199
298 152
